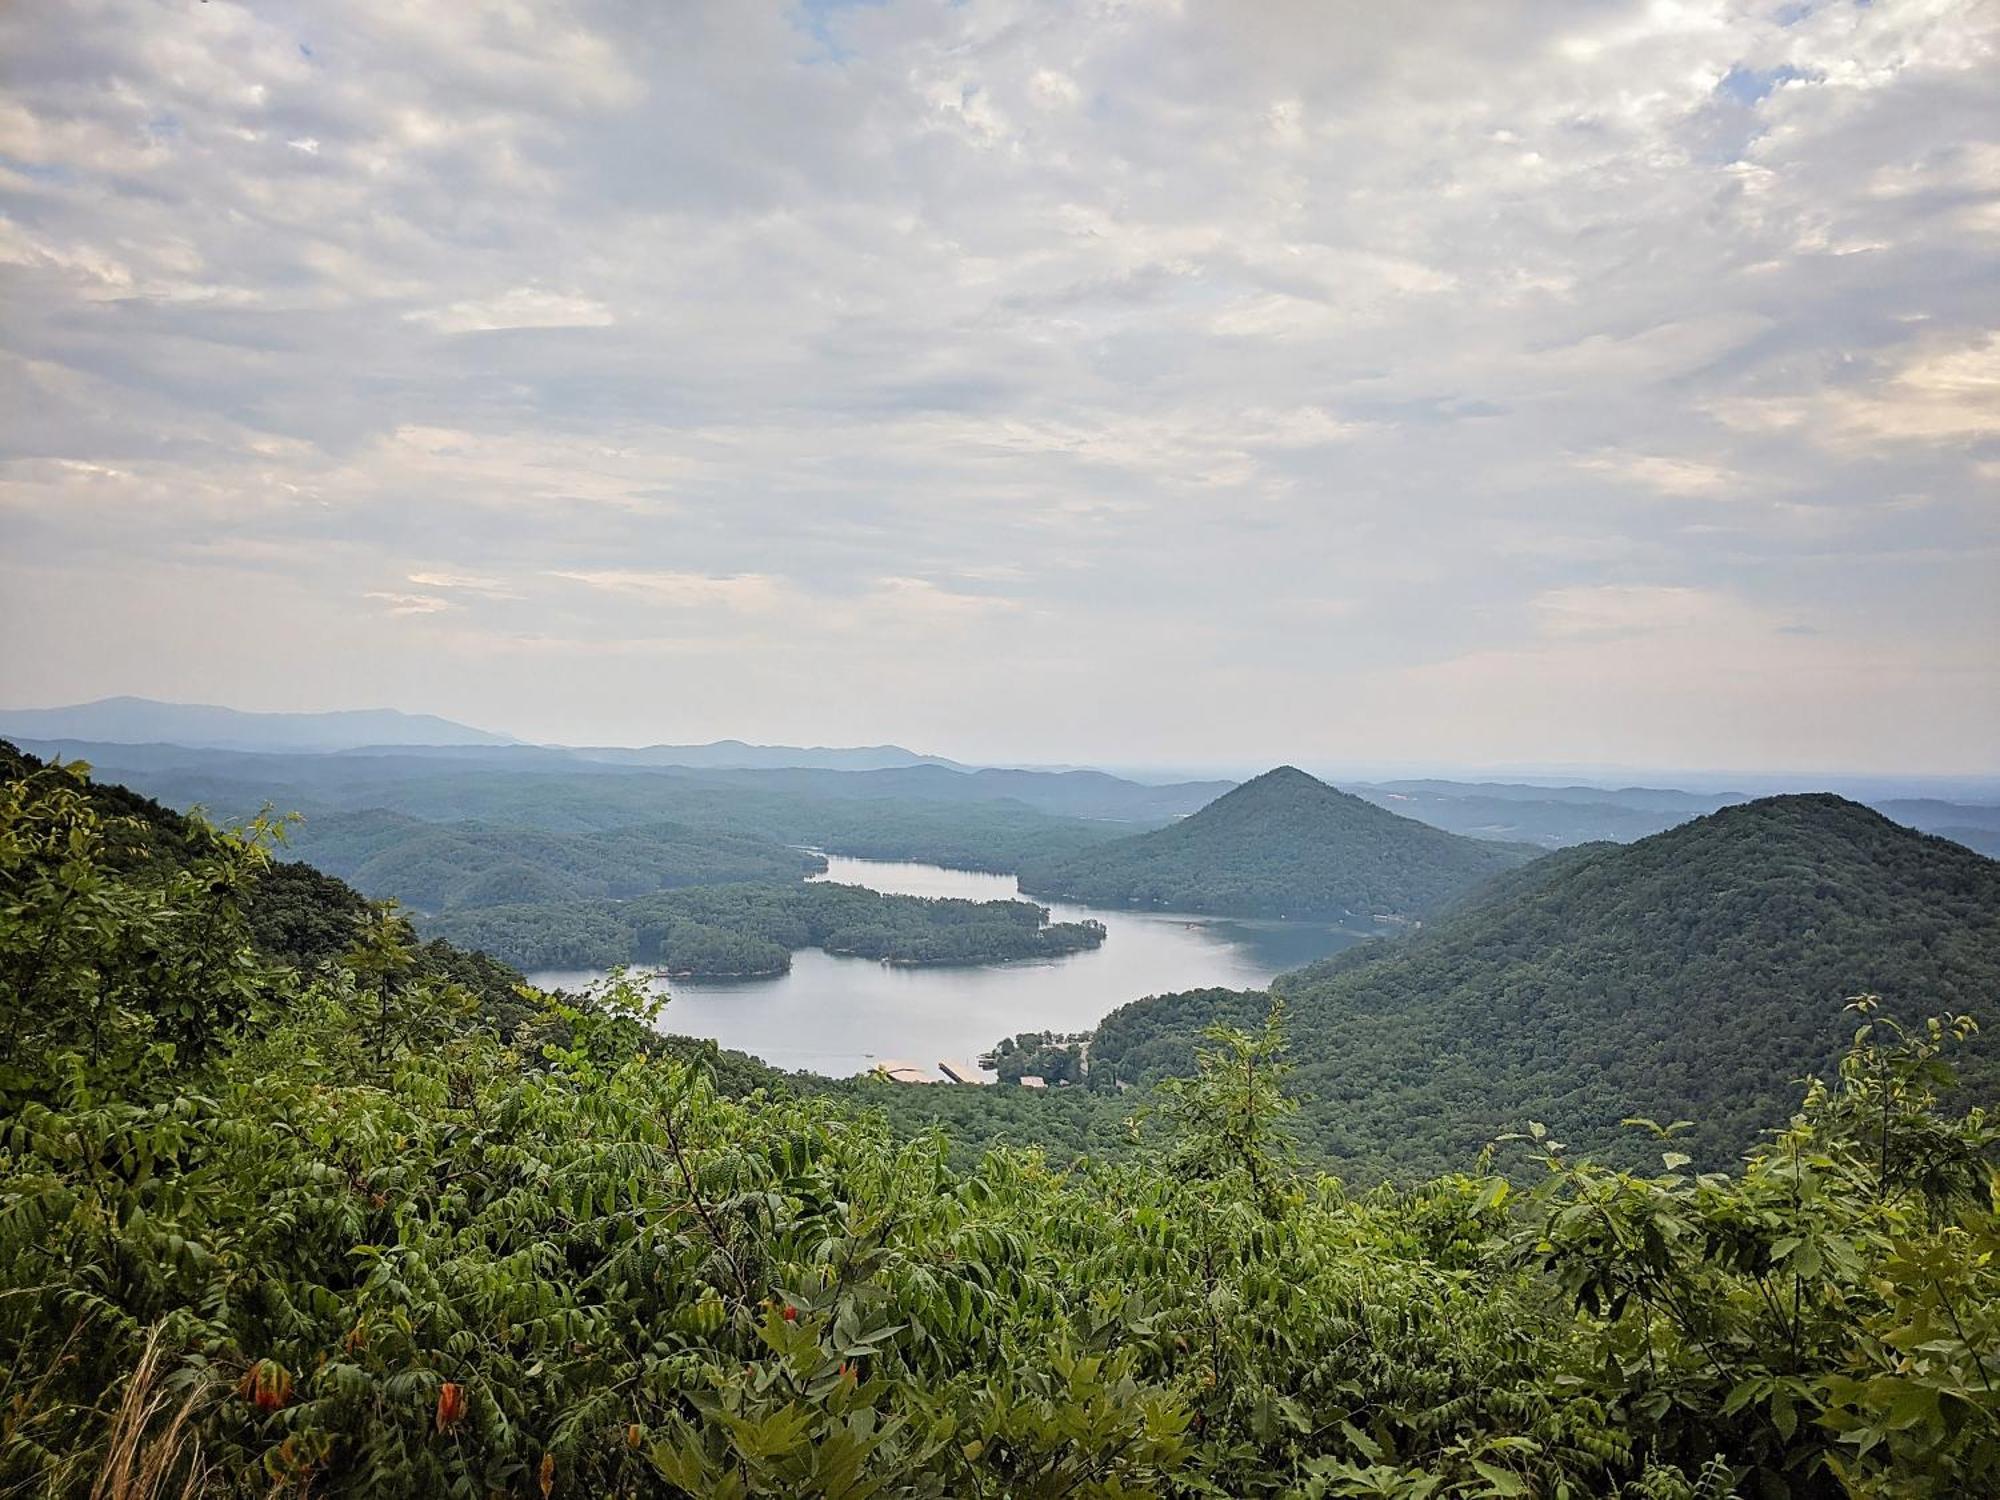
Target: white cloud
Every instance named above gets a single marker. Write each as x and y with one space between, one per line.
1670 476
956 350
411 604
464 583
750 591
521 307
1607 610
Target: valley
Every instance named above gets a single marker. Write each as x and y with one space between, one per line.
1413 1095
839 1015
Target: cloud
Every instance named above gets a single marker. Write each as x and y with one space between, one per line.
1011 380
750 591
492 588
1686 478
1604 611
920 600
1946 394
520 307
411 604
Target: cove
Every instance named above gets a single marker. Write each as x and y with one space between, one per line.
841 1016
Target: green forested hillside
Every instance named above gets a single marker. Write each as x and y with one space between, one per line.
276 1231
1696 974
1281 845
436 867
754 929
599 806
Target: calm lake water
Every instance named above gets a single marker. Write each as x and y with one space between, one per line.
843 1015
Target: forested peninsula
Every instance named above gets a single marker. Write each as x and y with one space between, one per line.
742 930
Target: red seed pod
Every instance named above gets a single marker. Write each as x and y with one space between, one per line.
548 1474
267 1384
451 1405
791 1313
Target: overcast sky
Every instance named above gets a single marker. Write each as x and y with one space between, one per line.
1445 383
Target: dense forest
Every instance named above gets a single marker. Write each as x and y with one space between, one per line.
754 929
841 812
336 1226
1281 845
1695 974
436 867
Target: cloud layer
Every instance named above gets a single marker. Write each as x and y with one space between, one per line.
1474 382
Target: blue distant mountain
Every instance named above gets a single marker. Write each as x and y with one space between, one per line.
736 755
144 721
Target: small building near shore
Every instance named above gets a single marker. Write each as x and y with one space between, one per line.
897 1071
959 1072
1033 1081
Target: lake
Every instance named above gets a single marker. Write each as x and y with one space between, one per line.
842 1015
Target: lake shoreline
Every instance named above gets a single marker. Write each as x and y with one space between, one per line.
838 1015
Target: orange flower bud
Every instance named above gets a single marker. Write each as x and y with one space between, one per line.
548 1475
451 1405
267 1384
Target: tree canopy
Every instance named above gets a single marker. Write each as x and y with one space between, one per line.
270 1230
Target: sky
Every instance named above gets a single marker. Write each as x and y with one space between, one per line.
1133 382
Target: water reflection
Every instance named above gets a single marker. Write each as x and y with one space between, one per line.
843 1015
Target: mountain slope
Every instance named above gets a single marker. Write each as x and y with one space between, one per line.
140 721
1072 794
437 867
1283 844
1695 975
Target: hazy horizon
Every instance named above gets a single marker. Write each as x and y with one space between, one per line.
1589 385
1750 780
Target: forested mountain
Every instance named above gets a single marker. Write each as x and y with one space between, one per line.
435 867
1077 794
1697 974
326 1224
1283 844
521 788
1555 817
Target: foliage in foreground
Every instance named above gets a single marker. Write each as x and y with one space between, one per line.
276 1231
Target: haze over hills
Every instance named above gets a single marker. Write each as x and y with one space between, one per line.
129 720
436 867
1552 817
1282 844
318 776
1696 974
344 778
735 755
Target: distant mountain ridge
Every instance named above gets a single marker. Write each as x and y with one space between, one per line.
737 755
1696 974
137 721
1283 844
317 779
1550 817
